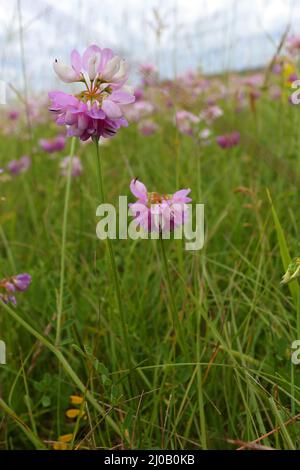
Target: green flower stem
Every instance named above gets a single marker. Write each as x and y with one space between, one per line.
66 366
113 263
63 246
176 323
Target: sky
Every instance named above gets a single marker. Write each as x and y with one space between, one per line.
176 35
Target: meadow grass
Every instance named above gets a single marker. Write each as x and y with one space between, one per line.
231 380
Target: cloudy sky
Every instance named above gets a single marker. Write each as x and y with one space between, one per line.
177 35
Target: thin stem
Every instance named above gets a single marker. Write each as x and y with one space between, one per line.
113 262
176 323
63 246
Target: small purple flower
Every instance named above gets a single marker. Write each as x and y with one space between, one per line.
149 74
21 281
8 299
19 166
13 114
53 145
227 141
17 283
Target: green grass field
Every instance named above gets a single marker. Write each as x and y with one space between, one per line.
220 376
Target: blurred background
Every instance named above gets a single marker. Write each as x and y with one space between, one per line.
175 35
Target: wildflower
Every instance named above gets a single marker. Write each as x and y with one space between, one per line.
98 110
76 399
13 114
228 140
147 127
53 145
76 166
62 443
293 44
66 438
60 446
211 113
8 299
149 74
204 136
139 110
19 166
21 281
158 212
186 122
293 271
17 283
72 413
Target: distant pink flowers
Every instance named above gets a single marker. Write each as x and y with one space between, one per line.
76 169
19 166
13 284
156 212
186 122
227 141
147 127
53 145
293 44
98 110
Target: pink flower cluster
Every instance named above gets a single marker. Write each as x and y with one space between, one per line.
159 212
19 166
53 145
98 110
227 141
10 285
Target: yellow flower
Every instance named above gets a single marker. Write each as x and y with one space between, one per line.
66 438
72 413
76 400
59 446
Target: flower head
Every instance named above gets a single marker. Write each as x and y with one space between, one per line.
10 285
76 166
186 122
293 44
97 110
159 212
19 166
53 145
147 127
227 141
211 113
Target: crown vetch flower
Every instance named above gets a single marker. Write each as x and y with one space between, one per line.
98 110
19 166
227 141
53 145
76 166
159 212
186 122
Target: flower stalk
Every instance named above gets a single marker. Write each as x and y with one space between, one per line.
113 262
63 246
